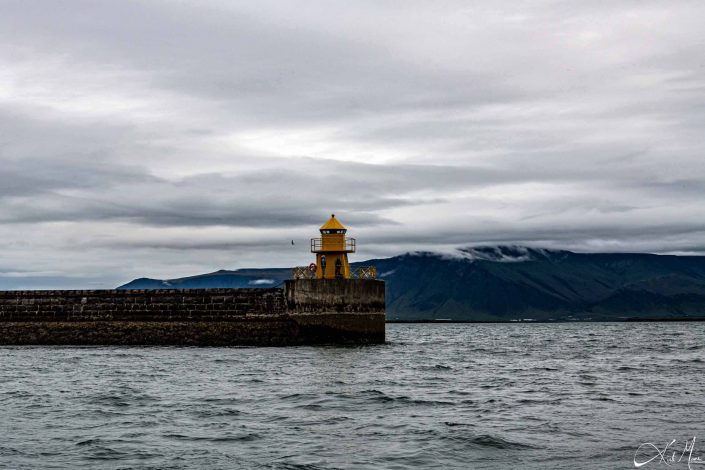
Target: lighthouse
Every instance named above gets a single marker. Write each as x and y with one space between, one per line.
332 256
332 251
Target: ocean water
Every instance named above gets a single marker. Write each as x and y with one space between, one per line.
437 396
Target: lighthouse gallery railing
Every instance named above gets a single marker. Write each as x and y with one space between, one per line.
346 244
361 272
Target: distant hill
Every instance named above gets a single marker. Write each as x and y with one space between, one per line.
223 278
512 283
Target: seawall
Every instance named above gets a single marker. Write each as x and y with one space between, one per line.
303 312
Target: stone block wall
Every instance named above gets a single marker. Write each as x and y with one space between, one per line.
140 305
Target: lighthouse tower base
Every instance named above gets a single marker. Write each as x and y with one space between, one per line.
338 310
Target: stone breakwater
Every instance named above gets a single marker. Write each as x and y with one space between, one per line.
302 312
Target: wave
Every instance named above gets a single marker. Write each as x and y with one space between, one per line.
489 441
376 395
247 437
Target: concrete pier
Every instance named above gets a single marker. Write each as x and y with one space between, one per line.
336 311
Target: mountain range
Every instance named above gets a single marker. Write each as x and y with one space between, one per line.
510 283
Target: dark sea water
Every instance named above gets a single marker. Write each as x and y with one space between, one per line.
436 396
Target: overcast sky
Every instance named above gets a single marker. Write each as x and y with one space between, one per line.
168 138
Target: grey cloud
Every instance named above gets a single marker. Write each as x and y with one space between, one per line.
161 138
36 177
247 65
265 198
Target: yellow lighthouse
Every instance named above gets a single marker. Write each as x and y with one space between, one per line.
332 256
332 251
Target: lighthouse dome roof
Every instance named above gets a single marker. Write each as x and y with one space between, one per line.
333 224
